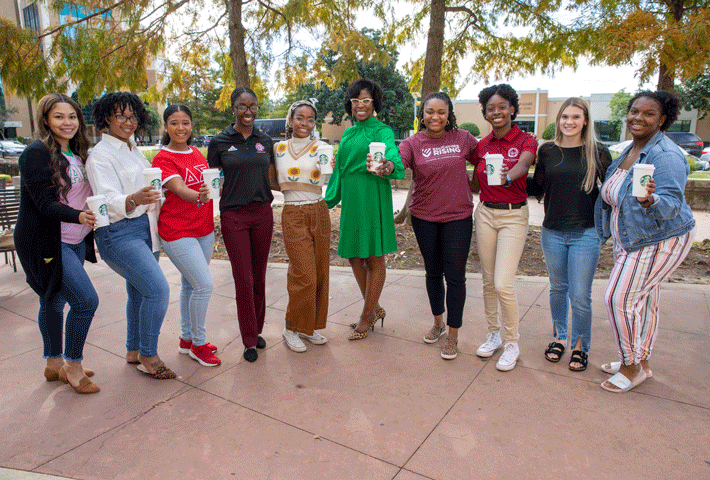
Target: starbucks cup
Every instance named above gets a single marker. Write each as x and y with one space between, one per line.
494 162
153 177
210 177
642 174
97 204
377 150
325 153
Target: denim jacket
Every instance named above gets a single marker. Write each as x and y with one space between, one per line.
669 215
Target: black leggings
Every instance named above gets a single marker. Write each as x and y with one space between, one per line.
445 248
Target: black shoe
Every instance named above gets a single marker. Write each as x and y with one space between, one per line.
260 342
250 354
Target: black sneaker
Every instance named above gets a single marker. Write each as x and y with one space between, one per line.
250 354
260 342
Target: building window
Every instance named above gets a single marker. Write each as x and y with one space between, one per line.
525 125
680 126
608 131
30 15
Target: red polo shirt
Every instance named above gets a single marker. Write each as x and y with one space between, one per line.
511 146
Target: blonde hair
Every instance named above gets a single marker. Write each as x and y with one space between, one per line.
589 141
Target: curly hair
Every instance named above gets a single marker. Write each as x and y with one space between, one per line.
358 86
79 144
669 103
504 90
451 120
175 107
292 111
239 90
114 103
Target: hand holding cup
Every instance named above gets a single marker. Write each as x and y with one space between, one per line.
87 217
146 196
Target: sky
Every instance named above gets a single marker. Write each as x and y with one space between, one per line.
568 83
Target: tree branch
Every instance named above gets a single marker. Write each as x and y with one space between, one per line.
81 20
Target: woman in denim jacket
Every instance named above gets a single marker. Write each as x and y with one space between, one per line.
652 234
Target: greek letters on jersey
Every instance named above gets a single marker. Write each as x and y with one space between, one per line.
77 173
439 151
194 178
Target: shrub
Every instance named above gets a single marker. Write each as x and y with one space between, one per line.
471 127
549 132
10 168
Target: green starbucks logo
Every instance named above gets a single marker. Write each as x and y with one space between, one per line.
323 159
215 183
103 211
489 169
155 183
644 180
378 156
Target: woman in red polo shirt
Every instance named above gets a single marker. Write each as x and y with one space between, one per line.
502 218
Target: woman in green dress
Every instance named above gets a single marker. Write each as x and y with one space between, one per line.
366 219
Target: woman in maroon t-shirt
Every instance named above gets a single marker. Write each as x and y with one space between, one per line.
186 229
442 207
502 218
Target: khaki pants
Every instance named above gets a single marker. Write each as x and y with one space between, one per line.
500 235
306 230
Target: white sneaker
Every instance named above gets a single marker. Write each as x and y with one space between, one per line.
493 343
315 339
509 358
293 341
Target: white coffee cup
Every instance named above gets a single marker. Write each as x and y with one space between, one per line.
643 172
210 177
325 154
97 204
377 150
153 177
494 162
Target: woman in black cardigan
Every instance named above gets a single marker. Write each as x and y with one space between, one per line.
54 234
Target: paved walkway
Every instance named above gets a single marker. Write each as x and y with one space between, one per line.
387 407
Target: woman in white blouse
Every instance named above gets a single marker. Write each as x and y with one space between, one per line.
130 244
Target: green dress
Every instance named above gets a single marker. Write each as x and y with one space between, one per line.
366 219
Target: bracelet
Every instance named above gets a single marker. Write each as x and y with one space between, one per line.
647 203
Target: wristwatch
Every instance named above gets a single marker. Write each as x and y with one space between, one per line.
508 181
131 203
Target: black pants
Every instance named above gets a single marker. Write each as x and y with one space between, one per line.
445 248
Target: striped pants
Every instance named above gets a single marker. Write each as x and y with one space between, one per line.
633 292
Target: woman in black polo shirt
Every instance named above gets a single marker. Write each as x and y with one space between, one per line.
245 155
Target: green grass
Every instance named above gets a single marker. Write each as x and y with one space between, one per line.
699 175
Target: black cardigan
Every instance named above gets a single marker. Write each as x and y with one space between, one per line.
38 233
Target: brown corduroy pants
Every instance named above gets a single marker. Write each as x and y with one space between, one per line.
306 231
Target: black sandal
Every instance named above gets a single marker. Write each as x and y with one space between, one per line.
554 348
580 357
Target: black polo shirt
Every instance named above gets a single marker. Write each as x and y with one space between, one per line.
245 164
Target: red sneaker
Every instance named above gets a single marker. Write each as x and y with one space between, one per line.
205 356
185 346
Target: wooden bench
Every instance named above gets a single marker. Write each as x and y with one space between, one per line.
9 208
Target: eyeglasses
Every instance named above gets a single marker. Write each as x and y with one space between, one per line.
124 119
365 101
243 108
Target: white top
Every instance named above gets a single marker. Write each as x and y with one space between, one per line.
115 171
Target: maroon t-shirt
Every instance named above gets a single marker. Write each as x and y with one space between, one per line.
441 191
511 146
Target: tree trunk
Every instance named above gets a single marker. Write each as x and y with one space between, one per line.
240 69
665 79
431 81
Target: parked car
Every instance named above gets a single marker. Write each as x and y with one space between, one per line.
273 127
688 141
11 147
202 140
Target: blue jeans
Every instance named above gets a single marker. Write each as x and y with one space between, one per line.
78 291
191 256
126 247
571 258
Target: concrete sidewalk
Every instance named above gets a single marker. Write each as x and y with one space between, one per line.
387 407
